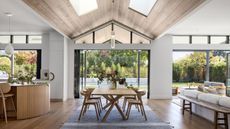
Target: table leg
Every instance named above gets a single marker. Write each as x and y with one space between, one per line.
113 102
121 112
108 104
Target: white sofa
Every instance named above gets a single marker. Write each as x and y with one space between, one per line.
206 97
213 88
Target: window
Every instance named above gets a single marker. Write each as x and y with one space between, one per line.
19 39
25 61
188 67
34 39
142 6
139 39
94 67
191 67
85 39
218 39
84 6
5 39
180 39
122 35
103 35
199 39
4 65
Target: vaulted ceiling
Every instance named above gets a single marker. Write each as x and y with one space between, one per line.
61 15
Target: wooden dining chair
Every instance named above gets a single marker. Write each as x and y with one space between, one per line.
126 98
137 102
90 90
4 95
86 103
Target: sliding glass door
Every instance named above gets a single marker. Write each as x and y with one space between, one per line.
93 66
228 74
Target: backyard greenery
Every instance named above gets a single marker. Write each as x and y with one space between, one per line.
192 68
125 62
24 64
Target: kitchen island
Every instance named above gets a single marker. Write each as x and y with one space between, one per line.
30 100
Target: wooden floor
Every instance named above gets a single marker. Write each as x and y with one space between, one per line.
60 111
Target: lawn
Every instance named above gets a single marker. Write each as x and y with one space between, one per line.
182 84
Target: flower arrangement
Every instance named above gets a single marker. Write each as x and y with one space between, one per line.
26 76
113 77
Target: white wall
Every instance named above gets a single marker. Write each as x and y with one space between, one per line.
65 85
161 68
58 65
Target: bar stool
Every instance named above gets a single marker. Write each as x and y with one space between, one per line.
4 95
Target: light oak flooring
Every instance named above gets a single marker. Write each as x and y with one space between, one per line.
60 112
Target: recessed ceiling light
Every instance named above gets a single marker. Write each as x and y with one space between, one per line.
84 6
142 6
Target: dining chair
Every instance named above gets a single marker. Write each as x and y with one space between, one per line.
90 90
137 102
128 98
4 95
87 102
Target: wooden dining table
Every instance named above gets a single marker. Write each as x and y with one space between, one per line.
113 96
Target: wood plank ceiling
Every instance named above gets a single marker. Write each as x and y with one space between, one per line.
61 15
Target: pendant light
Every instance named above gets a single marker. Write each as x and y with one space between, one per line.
9 50
113 39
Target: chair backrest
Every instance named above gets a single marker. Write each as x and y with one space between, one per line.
140 93
5 87
86 95
89 89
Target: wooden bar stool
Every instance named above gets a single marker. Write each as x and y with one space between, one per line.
137 102
4 95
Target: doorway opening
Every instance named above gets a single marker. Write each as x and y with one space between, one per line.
93 66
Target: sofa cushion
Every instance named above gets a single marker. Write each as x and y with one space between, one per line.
210 98
207 84
224 101
191 93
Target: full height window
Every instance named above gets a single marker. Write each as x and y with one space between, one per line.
96 65
199 66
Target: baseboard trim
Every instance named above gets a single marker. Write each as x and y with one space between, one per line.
56 100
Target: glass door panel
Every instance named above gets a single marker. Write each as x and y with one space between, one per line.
228 74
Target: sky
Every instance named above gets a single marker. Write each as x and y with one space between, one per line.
180 55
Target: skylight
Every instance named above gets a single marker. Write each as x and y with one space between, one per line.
142 6
84 6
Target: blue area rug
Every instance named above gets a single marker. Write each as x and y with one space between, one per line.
115 121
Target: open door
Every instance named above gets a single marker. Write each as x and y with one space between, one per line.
228 75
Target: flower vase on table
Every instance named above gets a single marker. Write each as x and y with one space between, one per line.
114 85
